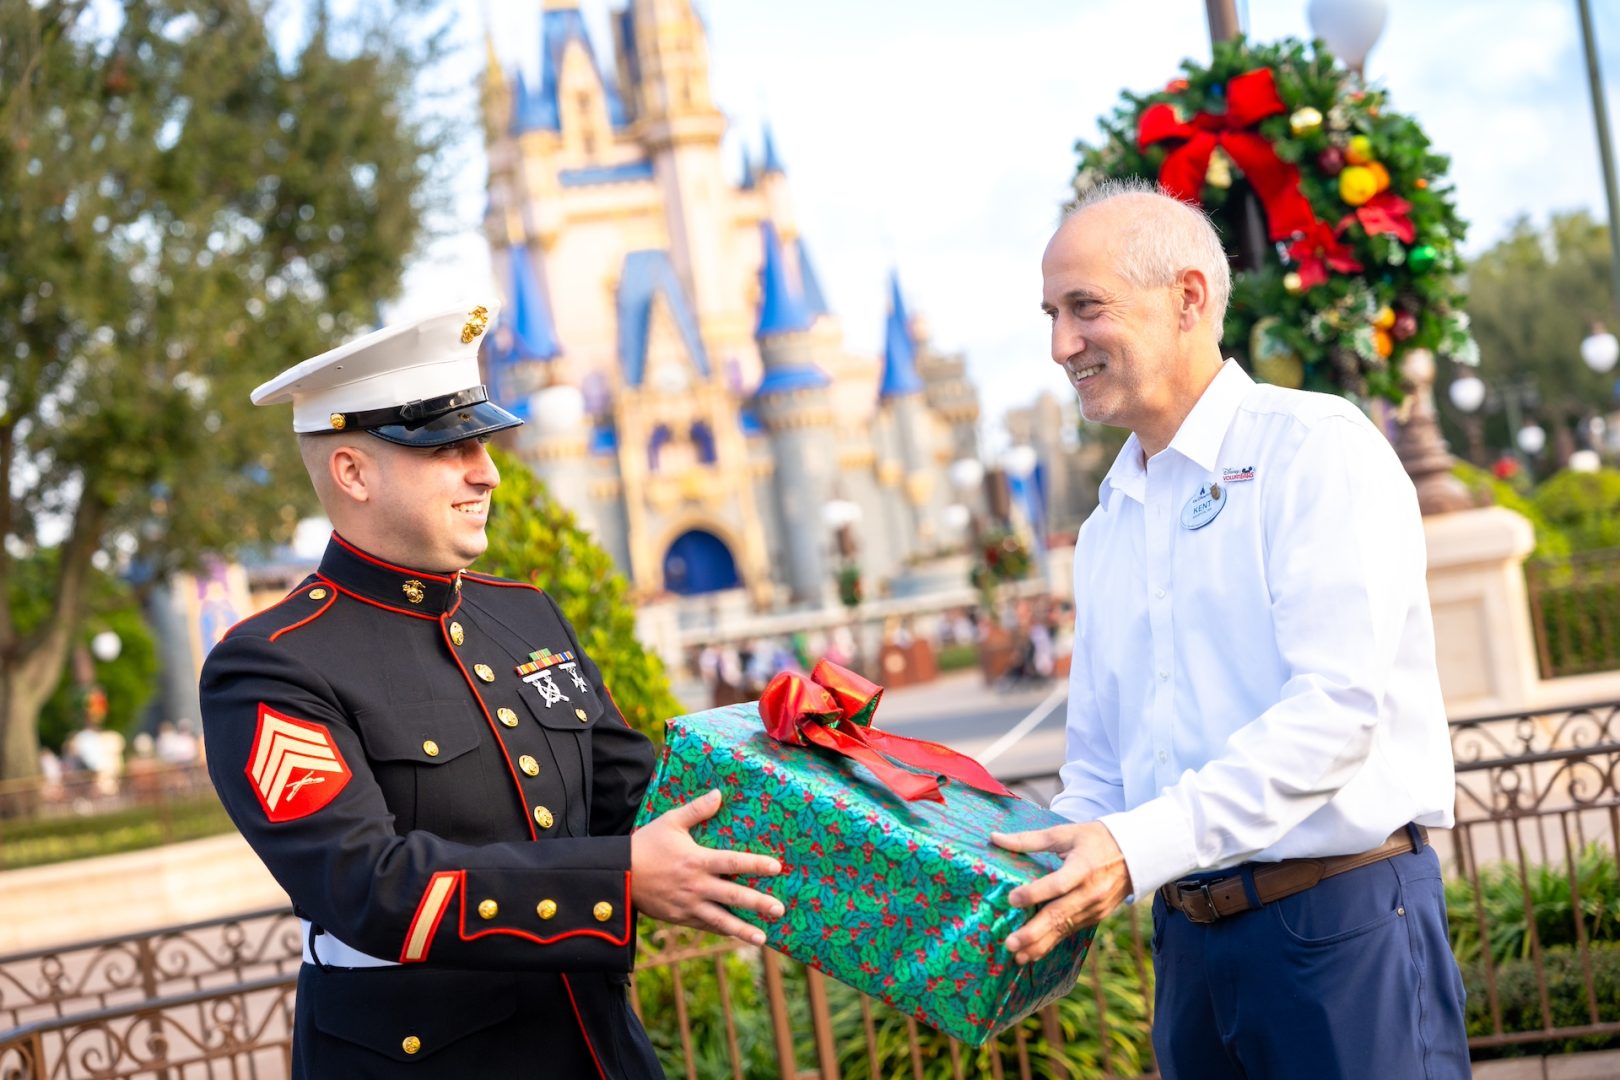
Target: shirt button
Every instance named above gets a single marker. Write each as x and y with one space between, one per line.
411 1044
1164 676
1163 757
603 911
507 717
529 766
1159 592
488 909
546 909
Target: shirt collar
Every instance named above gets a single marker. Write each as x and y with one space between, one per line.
1200 436
1198 439
397 588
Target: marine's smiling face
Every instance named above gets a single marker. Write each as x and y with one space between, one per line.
433 502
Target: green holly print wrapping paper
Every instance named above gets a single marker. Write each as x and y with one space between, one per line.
906 901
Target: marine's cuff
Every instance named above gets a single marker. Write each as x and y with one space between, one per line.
1157 842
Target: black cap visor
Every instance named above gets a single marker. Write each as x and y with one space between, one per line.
465 422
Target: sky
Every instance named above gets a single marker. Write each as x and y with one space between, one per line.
936 138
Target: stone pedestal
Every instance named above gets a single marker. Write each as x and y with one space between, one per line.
1484 643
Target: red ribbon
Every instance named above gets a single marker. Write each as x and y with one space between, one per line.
833 709
1250 98
1318 250
1386 212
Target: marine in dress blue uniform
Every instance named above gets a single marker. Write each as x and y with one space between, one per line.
431 766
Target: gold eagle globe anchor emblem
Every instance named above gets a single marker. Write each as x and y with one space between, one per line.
414 591
477 322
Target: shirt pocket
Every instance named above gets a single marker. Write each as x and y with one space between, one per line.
566 706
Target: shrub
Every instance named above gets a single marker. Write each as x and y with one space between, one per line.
1518 994
1584 506
1551 899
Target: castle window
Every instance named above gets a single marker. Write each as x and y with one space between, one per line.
660 438
703 439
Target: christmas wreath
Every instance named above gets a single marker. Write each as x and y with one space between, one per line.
1359 263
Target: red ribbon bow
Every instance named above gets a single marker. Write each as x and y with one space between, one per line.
833 709
1250 98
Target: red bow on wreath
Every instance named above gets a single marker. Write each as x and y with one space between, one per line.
833 709
1250 98
1317 251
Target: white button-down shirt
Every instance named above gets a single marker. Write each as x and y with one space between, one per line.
1263 686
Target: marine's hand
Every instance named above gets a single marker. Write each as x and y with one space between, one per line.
1092 882
678 880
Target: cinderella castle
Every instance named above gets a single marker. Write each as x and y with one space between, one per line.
687 389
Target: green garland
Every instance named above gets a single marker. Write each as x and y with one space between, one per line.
1348 333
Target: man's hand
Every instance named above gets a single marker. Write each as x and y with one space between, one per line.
1092 882
678 880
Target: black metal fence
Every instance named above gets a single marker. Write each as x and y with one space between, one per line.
1535 907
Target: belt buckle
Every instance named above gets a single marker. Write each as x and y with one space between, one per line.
1209 898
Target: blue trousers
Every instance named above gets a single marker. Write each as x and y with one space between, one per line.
1351 979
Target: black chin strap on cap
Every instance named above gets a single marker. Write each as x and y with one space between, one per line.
412 413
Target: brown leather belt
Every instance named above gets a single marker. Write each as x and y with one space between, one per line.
1205 901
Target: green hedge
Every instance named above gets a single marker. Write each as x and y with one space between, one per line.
1518 994
36 841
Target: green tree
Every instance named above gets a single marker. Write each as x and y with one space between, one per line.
184 210
1533 297
1583 506
534 538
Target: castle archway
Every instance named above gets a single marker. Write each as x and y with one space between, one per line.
699 562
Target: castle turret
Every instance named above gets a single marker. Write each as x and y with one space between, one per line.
905 457
793 404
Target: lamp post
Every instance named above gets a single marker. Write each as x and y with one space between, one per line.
1349 27
1600 118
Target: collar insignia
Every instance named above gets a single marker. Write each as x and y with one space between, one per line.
414 591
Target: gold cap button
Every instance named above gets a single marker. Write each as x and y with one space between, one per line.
507 717
543 818
411 1044
430 748
603 911
455 633
530 766
317 594
488 909
339 422
483 672
546 908
581 714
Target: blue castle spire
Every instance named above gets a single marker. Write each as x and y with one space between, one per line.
772 163
534 336
899 351
813 298
781 309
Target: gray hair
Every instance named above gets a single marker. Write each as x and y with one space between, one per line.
1171 237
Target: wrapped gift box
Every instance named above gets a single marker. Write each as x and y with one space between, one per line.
904 900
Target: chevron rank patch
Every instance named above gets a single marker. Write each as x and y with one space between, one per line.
296 768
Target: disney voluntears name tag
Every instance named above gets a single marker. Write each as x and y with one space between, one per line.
1202 507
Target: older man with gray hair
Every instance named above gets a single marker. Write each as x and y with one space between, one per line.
1256 735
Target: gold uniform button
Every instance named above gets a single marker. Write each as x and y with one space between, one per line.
581 714
546 908
507 717
488 909
603 911
317 594
411 1044
430 748
455 633
529 766
543 818
483 672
